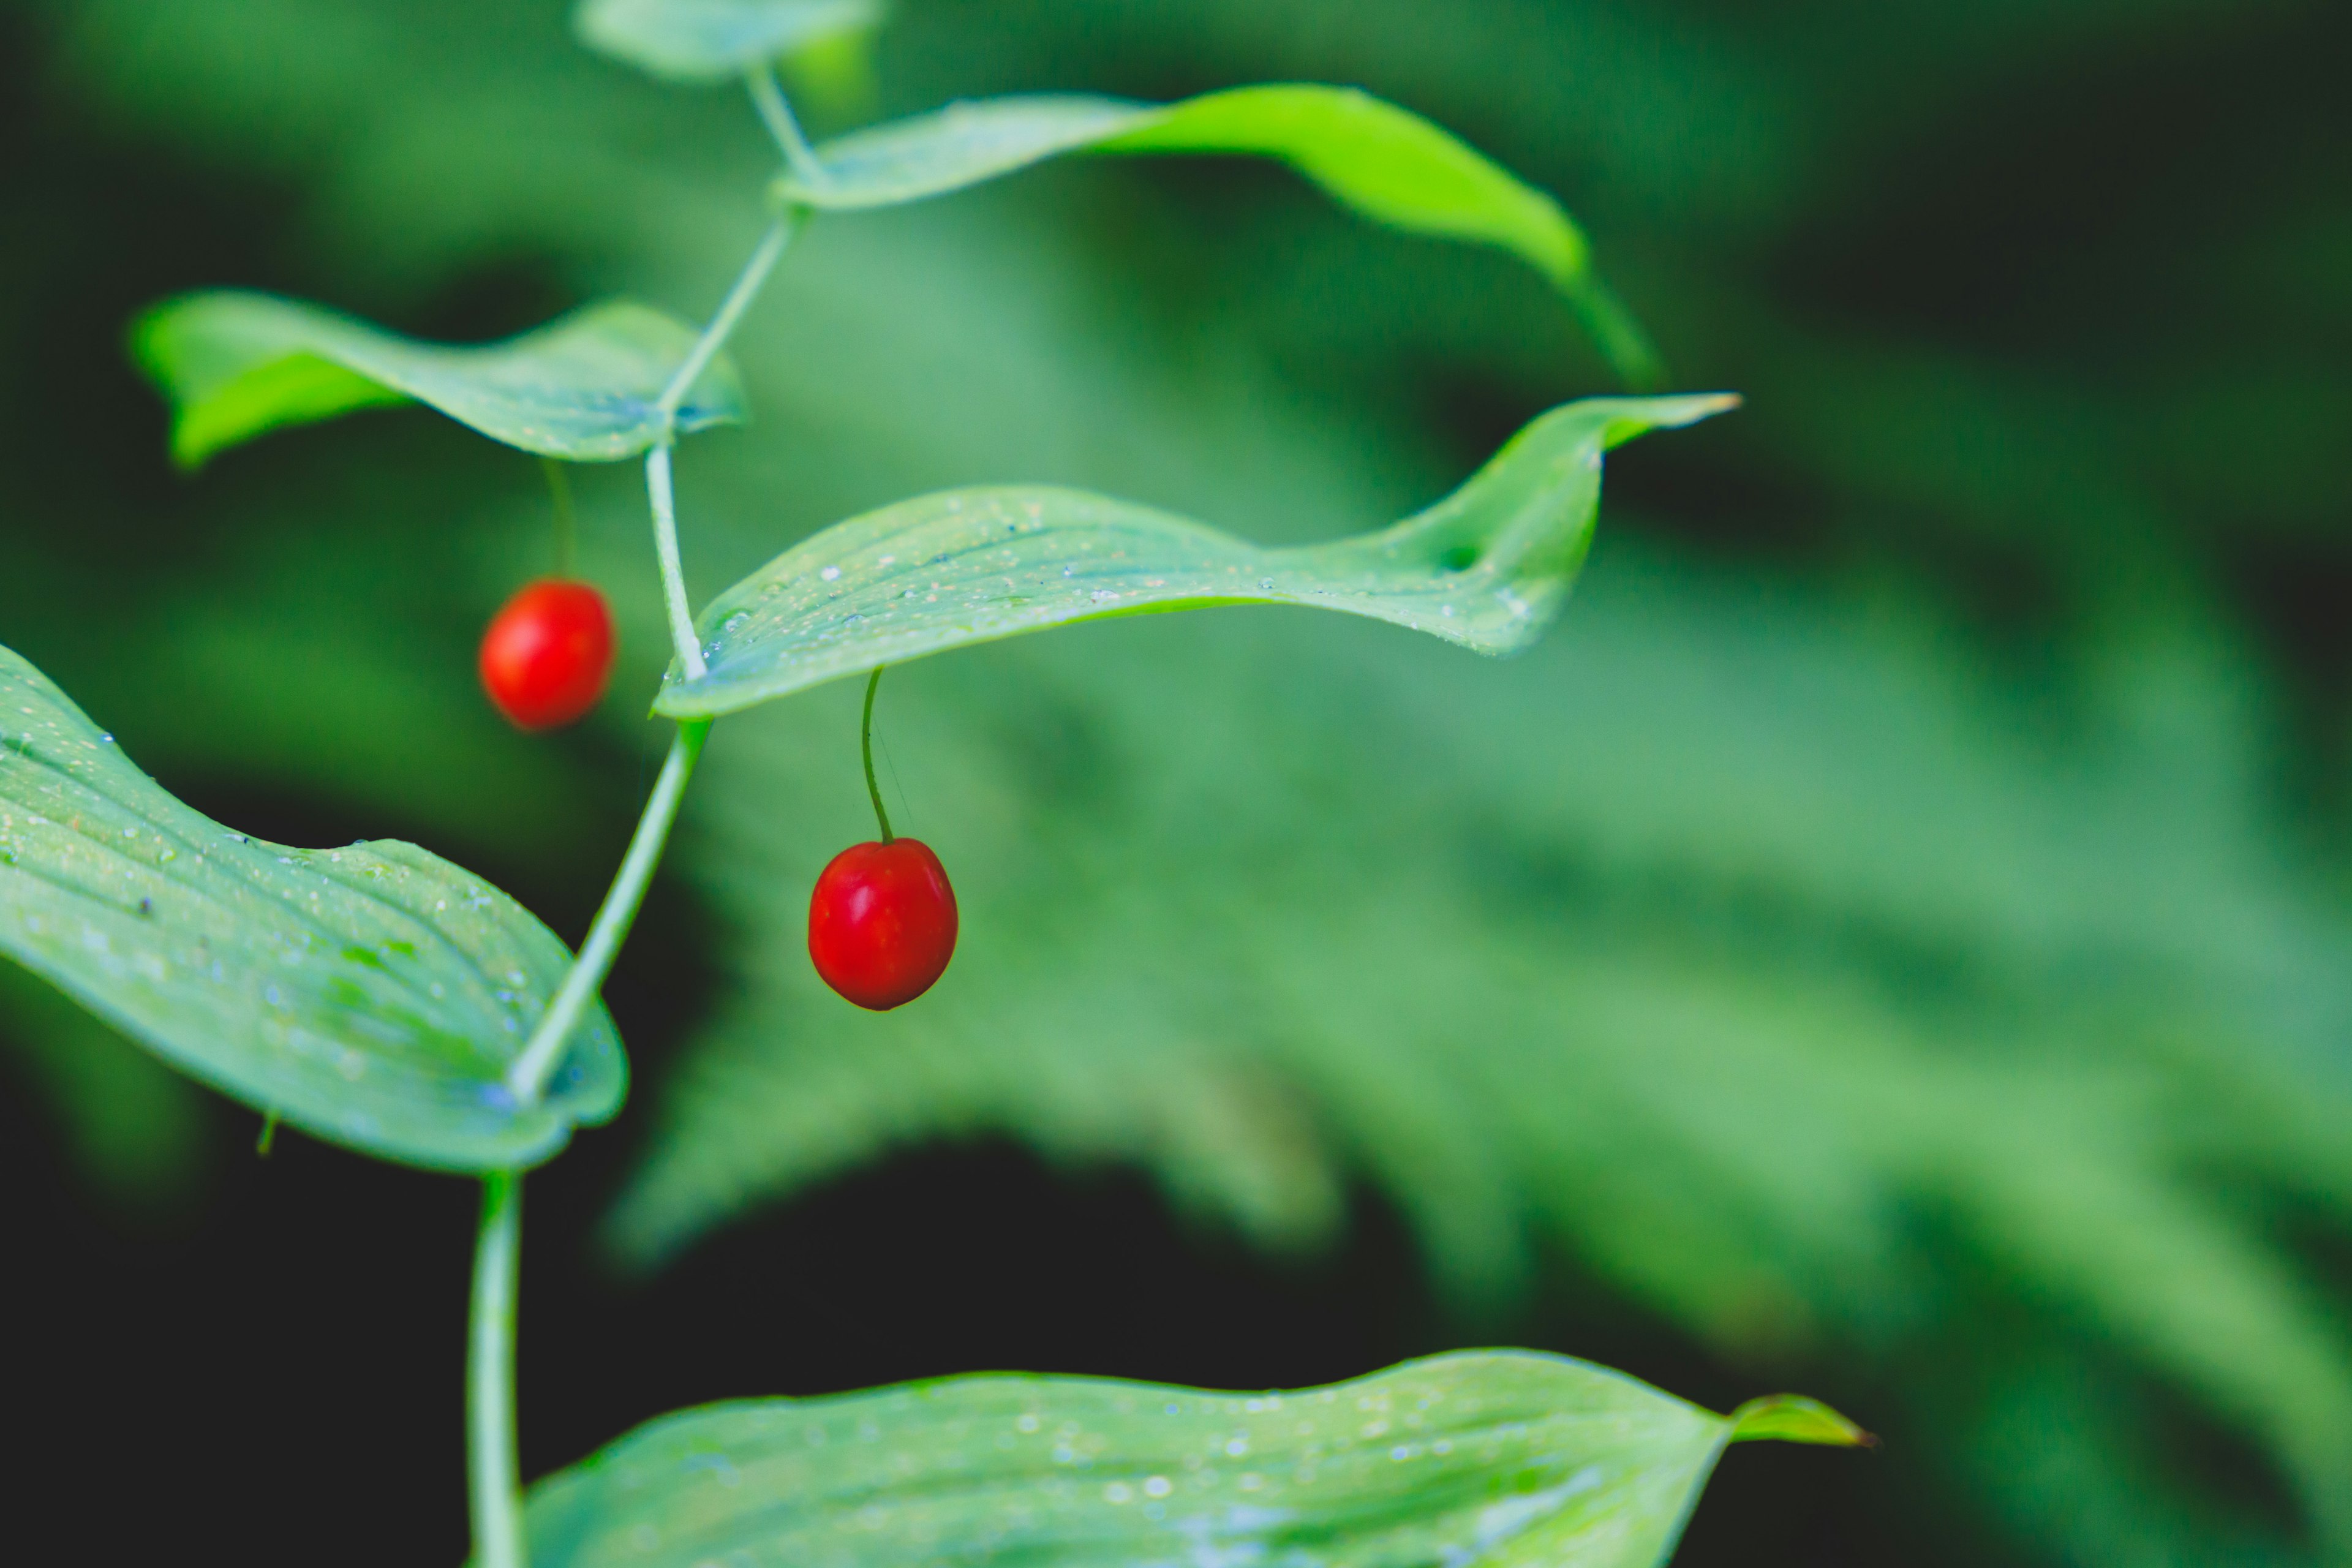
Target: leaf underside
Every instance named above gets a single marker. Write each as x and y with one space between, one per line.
1490 1458
711 41
236 365
1379 159
1488 567
373 997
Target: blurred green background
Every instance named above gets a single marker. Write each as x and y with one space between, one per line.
1890 941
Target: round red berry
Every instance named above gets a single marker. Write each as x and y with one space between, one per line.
548 654
882 922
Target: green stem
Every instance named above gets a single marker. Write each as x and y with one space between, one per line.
567 524
865 743
768 97
527 1079
495 1477
673 569
731 312
659 490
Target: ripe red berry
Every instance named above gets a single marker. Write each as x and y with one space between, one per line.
548 654
882 922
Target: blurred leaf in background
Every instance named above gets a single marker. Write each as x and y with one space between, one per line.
1894 930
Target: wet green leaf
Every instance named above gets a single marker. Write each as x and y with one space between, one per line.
1488 567
236 365
710 40
1491 1457
1385 163
374 995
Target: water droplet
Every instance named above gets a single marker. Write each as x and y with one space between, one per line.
830 574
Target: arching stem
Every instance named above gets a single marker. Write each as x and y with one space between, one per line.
527 1079
493 1472
865 743
659 490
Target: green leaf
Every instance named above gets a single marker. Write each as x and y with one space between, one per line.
1386 162
373 997
1488 567
236 365
710 40
1793 1418
1493 1458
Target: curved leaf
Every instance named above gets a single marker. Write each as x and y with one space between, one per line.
1793 1418
711 41
1384 162
374 995
1488 567
1488 1458
236 365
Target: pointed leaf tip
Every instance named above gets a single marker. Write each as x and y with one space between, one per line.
1371 156
1488 567
1793 1418
1501 1459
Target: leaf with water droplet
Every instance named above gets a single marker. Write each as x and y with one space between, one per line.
1500 1458
1385 163
585 387
997 562
711 41
374 995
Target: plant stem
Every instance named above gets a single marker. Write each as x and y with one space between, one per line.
567 526
495 1476
731 312
527 1079
865 743
768 97
673 570
659 490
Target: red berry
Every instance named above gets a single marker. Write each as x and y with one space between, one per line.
882 922
548 654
